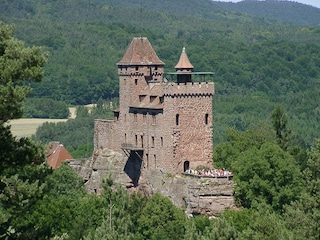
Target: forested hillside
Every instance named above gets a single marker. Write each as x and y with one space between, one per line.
278 10
257 61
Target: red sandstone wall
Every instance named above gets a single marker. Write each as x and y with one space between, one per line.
165 145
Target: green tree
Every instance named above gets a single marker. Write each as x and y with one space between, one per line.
267 175
22 162
279 123
18 64
303 215
160 219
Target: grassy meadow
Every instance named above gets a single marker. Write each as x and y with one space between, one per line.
25 127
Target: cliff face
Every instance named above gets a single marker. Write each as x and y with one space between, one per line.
208 196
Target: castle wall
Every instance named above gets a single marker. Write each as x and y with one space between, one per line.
189 108
169 124
103 134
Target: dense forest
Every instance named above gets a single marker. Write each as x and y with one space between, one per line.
266 115
259 61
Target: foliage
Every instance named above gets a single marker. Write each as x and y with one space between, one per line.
160 219
45 108
284 11
279 122
257 62
22 162
266 174
225 154
18 64
303 216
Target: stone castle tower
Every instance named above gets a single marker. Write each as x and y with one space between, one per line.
161 123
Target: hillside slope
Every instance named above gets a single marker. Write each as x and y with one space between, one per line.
282 11
258 62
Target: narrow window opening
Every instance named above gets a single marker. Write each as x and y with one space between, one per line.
141 141
136 81
116 115
136 140
177 119
147 157
161 141
152 141
137 68
206 118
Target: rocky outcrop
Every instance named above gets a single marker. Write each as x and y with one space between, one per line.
208 196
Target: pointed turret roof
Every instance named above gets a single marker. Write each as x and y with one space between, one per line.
57 154
184 63
140 52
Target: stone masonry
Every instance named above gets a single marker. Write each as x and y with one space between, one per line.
161 124
209 196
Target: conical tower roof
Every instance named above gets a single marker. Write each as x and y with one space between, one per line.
57 154
184 63
140 52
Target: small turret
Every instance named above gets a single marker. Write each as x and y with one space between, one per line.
184 68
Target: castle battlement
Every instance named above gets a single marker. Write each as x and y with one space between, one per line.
189 88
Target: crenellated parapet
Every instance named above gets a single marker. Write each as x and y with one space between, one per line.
189 89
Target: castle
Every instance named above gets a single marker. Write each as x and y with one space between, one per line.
164 120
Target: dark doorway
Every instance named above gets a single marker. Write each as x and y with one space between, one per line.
133 166
186 166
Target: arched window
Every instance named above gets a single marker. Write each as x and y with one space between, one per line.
152 141
186 166
206 118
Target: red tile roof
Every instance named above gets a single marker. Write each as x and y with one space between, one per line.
184 63
140 52
57 154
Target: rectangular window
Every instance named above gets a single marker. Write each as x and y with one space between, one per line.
141 97
161 141
152 98
152 141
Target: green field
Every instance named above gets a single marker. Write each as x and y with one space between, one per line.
25 127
